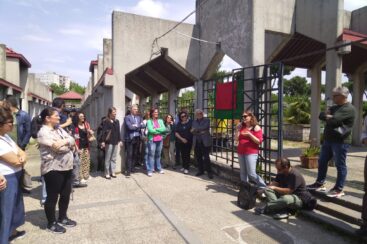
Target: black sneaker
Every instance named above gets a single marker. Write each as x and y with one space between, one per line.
259 210
56 228
316 187
79 185
18 235
199 173
67 222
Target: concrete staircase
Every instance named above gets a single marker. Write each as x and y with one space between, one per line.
341 214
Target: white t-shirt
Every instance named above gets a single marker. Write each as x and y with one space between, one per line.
7 145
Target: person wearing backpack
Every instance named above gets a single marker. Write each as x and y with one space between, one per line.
286 193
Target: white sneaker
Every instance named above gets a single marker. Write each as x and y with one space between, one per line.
161 172
150 174
182 169
186 171
83 181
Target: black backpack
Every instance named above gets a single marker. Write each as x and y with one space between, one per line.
247 195
36 125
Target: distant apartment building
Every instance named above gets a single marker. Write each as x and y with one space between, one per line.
53 78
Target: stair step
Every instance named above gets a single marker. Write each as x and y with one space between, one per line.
335 223
339 211
347 201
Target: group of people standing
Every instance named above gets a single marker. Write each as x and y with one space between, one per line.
64 142
150 137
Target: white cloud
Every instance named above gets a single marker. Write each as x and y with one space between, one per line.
35 38
151 8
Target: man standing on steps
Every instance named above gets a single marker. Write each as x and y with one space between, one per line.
363 230
339 121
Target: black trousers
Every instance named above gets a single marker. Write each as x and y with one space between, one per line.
364 204
202 157
100 158
58 183
132 148
185 149
177 152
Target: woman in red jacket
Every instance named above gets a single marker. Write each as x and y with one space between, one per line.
250 136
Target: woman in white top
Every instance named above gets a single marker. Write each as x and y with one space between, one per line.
56 148
12 160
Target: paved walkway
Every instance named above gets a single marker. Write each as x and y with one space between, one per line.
169 208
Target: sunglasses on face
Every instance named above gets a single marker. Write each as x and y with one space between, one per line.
183 116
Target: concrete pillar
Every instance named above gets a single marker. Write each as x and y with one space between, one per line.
118 90
172 96
2 61
107 53
358 89
333 72
199 95
155 100
142 104
315 74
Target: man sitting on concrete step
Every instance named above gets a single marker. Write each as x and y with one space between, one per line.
286 193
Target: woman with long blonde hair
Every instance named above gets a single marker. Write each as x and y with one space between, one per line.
249 136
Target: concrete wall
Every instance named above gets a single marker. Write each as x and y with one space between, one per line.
228 22
133 36
12 71
2 61
107 53
359 20
320 20
99 66
35 86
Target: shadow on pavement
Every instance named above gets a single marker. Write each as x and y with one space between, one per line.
37 218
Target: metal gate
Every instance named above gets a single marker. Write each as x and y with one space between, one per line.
263 94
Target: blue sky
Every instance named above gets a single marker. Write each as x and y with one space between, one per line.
65 35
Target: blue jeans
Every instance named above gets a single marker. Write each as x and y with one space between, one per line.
110 159
248 169
154 155
339 151
11 207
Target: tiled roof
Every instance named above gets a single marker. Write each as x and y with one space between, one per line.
71 95
12 54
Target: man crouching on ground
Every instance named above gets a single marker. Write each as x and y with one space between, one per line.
286 193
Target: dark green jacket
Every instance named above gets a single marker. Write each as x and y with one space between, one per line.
344 116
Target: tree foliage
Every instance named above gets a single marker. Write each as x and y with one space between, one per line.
77 88
297 86
58 89
61 89
297 110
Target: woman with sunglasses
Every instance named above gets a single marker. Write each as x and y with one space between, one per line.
184 139
250 136
12 160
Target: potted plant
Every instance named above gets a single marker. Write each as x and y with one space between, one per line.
310 157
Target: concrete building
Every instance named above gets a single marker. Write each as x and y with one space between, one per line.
53 78
301 33
15 80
